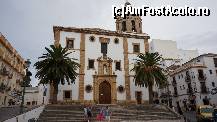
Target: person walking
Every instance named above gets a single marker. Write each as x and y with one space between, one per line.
89 113
100 116
215 115
85 113
107 113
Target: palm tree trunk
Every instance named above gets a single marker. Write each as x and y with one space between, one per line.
51 93
55 85
150 90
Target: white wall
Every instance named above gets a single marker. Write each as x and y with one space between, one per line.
187 55
167 48
93 51
35 113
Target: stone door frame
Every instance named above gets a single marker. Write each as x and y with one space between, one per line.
98 79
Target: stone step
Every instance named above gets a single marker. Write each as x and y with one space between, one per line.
72 113
113 114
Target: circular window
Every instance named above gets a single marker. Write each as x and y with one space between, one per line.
88 88
92 38
116 40
120 89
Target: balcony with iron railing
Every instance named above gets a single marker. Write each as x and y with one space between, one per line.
201 77
175 93
187 78
4 72
189 91
204 90
174 83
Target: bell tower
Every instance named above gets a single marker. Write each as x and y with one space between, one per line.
130 24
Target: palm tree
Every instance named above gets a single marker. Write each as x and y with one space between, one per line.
54 67
148 72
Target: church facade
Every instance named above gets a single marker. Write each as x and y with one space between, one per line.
106 59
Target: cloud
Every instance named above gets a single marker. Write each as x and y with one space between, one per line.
205 42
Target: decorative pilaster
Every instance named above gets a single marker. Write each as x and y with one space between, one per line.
82 65
146 45
126 69
56 37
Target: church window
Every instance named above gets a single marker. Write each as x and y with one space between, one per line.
92 38
91 64
69 43
124 26
104 47
116 40
136 48
118 65
133 26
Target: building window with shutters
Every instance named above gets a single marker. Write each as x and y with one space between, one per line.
118 65
90 64
70 43
215 61
136 48
104 47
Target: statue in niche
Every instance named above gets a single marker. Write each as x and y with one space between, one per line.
105 68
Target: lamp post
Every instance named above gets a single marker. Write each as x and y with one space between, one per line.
26 81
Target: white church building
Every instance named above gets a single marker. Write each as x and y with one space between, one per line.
106 59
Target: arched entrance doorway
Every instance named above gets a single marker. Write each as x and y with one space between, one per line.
105 93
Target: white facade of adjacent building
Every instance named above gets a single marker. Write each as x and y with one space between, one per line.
170 52
193 81
36 95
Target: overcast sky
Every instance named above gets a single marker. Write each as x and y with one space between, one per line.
27 24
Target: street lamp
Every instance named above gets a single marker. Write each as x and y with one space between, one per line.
26 81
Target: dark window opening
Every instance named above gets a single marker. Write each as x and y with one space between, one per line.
116 40
213 84
133 26
118 65
67 95
70 43
28 103
136 48
91 64
200 73
215 61
104 47
124 26
210 71
203 87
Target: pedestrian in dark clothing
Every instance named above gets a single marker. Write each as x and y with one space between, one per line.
215 115
89 113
